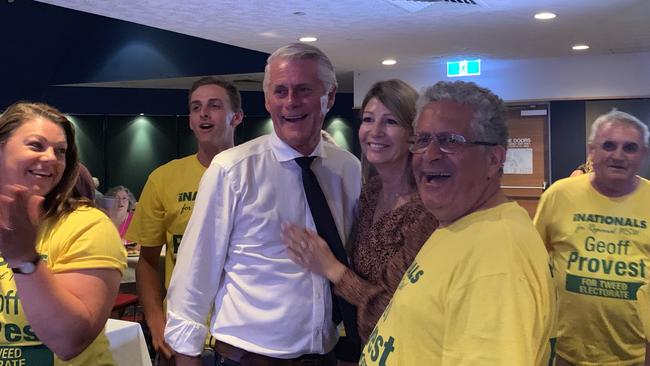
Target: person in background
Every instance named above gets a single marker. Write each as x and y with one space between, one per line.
232 266
96 182
62 259
169 194
85 186
124 211
479 292
393 223
595 227
585 168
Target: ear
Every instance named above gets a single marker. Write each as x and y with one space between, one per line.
496 158
267 103
236 119
189 123
331 96
590 151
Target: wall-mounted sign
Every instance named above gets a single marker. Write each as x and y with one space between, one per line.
519 142
464 68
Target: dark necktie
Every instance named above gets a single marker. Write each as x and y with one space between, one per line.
326 228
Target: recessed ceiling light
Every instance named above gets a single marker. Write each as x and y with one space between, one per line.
545 15
389 62
307 39
580 47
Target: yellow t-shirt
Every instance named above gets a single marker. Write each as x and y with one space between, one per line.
643 308
599 250
479 292
165 207
83 239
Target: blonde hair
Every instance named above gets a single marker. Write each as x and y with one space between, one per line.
400 99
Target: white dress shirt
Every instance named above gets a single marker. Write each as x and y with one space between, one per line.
232 265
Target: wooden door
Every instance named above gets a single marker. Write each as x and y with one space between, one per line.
526 170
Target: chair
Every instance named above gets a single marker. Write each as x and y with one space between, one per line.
122 303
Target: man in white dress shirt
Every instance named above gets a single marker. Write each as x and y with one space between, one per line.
232 265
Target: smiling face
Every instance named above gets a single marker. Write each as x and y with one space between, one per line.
383 140
617 153
453 185
211 117
297 101
34 156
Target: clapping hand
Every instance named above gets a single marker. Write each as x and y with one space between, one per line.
20 213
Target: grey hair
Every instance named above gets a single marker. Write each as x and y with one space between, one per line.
616 116
303 51
489 122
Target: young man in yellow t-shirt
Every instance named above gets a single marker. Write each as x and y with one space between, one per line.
167 200
479 291
596 229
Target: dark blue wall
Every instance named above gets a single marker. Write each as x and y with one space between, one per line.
567 137
45 45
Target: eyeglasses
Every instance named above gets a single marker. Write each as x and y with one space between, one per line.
628 147
447 142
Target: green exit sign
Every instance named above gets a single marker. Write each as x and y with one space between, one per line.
464 68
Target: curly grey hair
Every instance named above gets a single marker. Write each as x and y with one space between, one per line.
489 122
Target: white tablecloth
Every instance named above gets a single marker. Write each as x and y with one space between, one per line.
129 272
127 343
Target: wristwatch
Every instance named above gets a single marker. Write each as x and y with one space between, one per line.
28 266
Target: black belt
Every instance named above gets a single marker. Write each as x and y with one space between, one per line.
246 358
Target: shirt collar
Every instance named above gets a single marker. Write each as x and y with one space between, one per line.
283 152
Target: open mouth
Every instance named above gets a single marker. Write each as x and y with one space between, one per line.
436 177
206 126
376 146
293 119
40 173
618 167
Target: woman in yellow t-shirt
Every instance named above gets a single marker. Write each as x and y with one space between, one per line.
60 258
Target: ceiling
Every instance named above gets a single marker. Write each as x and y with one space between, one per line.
359 34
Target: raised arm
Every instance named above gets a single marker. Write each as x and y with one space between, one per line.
78 305
79 285
306 248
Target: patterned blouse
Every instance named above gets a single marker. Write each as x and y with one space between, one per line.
381 252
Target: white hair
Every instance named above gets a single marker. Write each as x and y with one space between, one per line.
301 51
616 116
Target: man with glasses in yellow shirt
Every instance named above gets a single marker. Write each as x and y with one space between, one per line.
480 290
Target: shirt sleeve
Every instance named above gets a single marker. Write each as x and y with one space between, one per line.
147 227
371 299
541 218
90 240
643 308
199 265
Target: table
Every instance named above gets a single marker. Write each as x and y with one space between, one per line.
127 343
132 261
129 272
